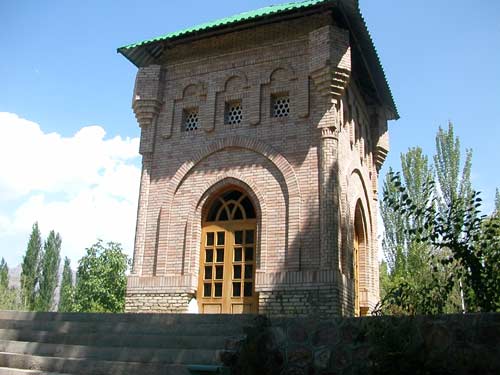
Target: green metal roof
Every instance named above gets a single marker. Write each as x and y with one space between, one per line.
246 16
151 50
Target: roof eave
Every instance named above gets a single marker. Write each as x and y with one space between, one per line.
352 16
371 60
227 28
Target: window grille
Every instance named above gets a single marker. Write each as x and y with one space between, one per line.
190 122
234 113
281 105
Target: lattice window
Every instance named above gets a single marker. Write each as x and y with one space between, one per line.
190 119
280 105
233 113
232 205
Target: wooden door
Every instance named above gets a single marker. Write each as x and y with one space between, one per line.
227 260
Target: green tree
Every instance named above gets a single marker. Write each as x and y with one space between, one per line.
101 280
49 272
9 297
31 268
453 184
496 212
415 266
384 279
407 259
67 290
4 274
468 248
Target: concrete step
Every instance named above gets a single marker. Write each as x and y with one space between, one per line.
15 371
153 319
118 340
69 327
120 354
87 366
150 344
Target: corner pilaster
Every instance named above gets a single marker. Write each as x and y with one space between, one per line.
330 71
140 228
147 102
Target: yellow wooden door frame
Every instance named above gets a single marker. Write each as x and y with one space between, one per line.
225 264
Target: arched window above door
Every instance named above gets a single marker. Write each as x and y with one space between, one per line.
231 205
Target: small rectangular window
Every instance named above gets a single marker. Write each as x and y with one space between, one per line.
219 272
233 113
207 290
218 290
236 289
280 105
190 119
247 289
208 272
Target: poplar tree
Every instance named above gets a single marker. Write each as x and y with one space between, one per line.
442 255
406 258
496 212
67 290
49 272
31 269
9 298
4 275
453 183
455 186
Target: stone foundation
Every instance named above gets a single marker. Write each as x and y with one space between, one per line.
157 302
320 301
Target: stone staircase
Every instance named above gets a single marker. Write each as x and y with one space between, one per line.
146 344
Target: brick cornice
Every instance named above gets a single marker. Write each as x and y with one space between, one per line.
331 82
162 284
146 110
329 132
380 155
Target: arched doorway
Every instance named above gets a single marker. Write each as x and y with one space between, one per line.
228 252
358 249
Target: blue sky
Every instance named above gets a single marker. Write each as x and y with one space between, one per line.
68 138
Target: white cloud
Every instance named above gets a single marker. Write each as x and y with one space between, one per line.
83 186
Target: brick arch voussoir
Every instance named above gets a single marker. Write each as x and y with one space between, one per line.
248 143
222 81
278 160
356 174
275 67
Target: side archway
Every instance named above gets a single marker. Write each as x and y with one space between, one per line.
357 243
359 256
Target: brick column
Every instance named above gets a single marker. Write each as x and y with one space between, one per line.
328 196
330 69
142 209
146 104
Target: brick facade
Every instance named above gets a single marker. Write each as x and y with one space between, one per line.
305 173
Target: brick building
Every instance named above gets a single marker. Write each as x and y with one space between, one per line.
262 136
